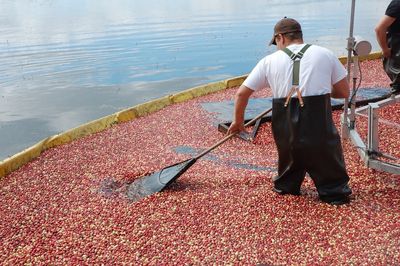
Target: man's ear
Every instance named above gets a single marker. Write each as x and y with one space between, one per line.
283 40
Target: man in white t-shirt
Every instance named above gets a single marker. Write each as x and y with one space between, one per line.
302 78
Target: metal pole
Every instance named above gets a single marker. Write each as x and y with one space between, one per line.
350 47
356 70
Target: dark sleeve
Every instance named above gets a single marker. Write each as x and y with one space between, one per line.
393 10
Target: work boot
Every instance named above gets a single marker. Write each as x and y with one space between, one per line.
282 192
336 201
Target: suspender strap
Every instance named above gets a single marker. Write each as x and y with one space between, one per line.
296 72
299 55
296 62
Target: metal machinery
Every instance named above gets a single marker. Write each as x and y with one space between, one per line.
369 152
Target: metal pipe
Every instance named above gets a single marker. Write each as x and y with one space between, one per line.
350 40
352 116
350 47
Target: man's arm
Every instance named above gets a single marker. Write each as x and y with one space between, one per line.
341 89
381 30
241 99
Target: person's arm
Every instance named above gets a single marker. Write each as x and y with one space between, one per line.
241 99
380 31
341 89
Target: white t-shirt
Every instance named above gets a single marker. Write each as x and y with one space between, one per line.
319 70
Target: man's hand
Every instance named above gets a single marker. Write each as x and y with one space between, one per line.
241 99
235 128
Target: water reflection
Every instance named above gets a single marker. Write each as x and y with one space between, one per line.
66 62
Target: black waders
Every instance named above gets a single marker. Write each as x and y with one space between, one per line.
392 64
307 141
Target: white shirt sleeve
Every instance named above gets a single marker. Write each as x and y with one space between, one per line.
257 78
338 72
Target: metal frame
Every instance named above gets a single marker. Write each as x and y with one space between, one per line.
369 152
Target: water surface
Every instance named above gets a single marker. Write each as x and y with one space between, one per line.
67 62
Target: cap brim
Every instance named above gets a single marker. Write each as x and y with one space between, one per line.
272 42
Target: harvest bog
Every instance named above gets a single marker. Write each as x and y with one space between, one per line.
70 206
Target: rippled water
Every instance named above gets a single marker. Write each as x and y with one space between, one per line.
66 62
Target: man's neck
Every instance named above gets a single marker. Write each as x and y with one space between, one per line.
293 42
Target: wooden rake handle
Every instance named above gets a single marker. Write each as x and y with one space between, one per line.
232 134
